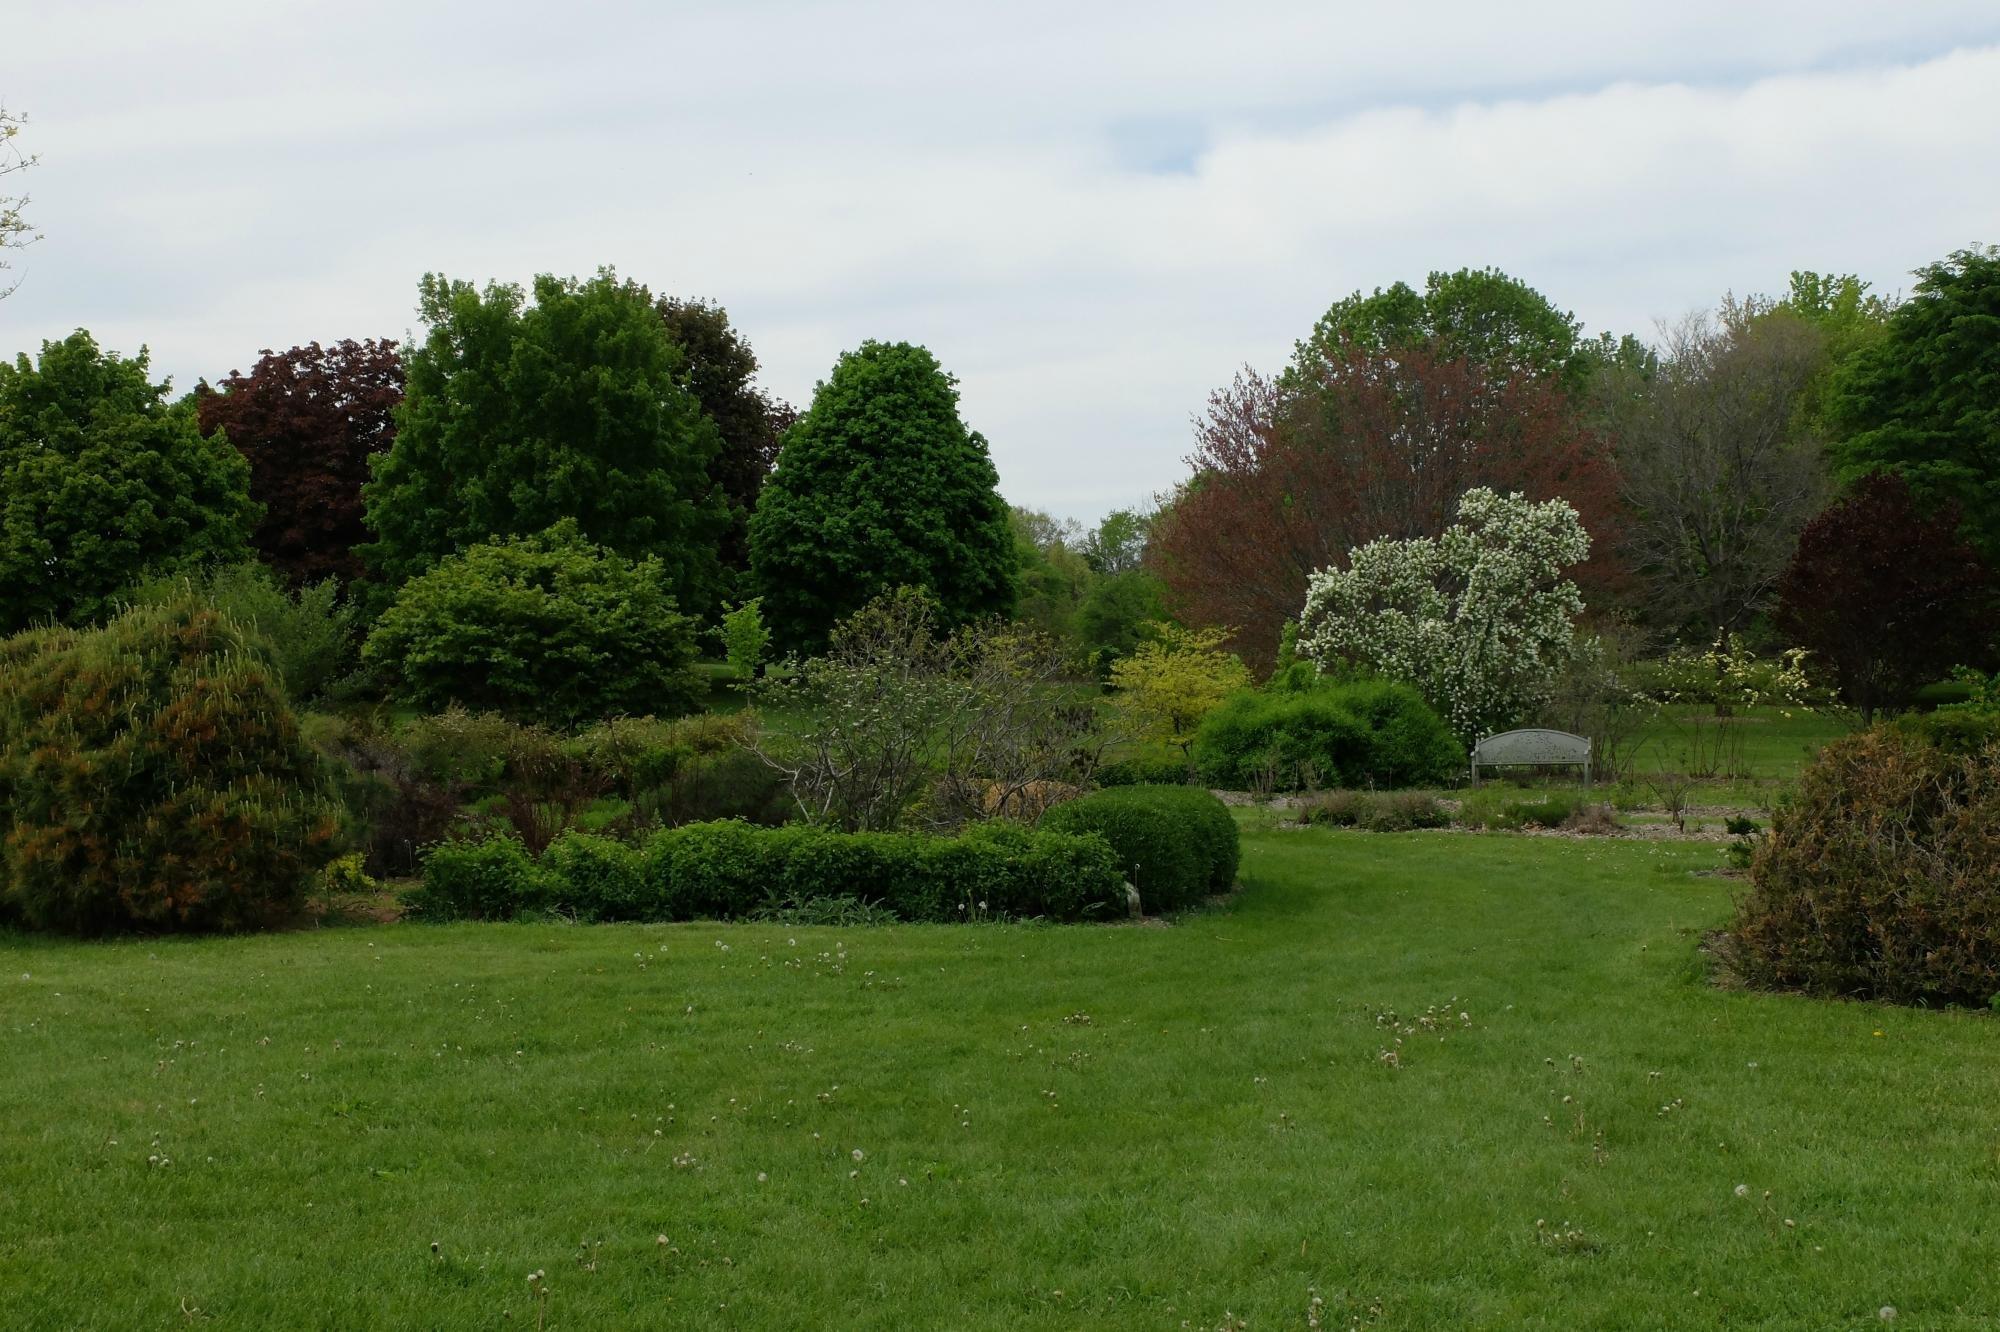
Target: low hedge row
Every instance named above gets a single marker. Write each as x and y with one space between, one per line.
1177 843
732 869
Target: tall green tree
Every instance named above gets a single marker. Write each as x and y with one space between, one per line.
1482 315
519 416
103 482
880 486
1054 577
1923 399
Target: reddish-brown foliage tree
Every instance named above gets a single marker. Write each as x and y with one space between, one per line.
1887 597
308 420
719 371
1354 444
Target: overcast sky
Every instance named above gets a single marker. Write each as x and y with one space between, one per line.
1092 213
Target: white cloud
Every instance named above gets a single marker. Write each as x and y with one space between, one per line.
219 178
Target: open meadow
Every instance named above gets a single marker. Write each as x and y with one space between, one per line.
1430 1080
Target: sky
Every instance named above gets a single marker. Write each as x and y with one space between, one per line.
1092 213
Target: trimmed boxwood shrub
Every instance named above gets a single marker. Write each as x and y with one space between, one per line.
491 880
1177 844
734 869
153 776
1374 733
1881 878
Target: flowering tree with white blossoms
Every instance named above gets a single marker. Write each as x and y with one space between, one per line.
1480 619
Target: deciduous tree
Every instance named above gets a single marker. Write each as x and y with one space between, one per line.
15 231
1886 596
520 416
1923 400
1174 679
1292 474
1717 466
720 369
1481 619
880 486
309 420
1481 315
103 482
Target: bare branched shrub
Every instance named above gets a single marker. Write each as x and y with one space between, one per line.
899 724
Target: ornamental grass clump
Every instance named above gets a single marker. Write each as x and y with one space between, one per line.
1881 879
152 776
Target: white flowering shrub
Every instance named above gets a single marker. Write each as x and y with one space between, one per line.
1480 620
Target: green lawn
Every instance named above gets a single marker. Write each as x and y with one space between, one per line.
1100 1127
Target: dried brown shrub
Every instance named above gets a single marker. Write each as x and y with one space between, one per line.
1882 878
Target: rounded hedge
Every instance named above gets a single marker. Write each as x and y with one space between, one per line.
733 869
1374 733
1176 844
548 627
153 776
1881 878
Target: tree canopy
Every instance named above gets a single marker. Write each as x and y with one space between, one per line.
1718 464
1477 314
103 481
1886 596
880 486
308 421
1923 399
519 416
719 368
1292 474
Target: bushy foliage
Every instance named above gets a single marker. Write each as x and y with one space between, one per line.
1352 444
520 416
397 810
1501 809
719 368
1375 811
1886 596
1173 679
104 482
1480 620
1482 315
152 776
547 627
308 421
735 870
306 633
745 639
491 879
1177 844
902 723
880 486
1116 615
1923 400
1881 877
1357 733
